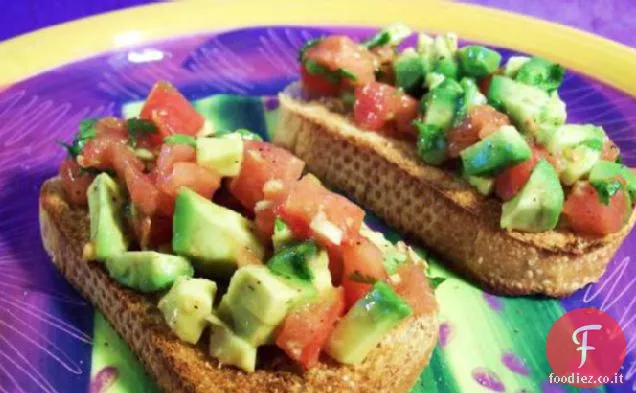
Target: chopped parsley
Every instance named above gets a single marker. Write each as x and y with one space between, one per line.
86 132
138 127
606 189
333 77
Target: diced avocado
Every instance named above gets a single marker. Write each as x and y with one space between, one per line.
147 271
391 35
319 267
187 305
282 234
605 171
513 65
425 50
532 109
472 96
445 54
366 324
211 235
478 61
498 150
262 293
410 71
537 207
577 162
106 208
228 347
541 73
441 103
224 155
291 264
483 184
578 148
432 147
254 331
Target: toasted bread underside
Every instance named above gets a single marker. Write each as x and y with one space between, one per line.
394 366
438 208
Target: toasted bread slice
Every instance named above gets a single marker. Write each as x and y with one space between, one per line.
394 366
439 208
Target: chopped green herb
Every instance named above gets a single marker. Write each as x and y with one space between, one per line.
436 281
362 278
138 127
334 77
309 44
86 132
292 261
391 35
180 139
606 189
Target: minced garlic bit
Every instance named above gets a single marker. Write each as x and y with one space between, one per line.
262 205
273 186
321 225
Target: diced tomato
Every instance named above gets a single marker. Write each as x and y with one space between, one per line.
484 84
512 179
170 112
318 85
307 327
113 127
610 151
342 53
169 155
363 259
122 157
413 287
585 213
143 192
379 105
336 266
202 180
109 151
481 121
75 182
334 214
263 162
151 232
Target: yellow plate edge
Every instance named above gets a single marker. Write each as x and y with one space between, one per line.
29 54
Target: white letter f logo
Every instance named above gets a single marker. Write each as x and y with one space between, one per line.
584 347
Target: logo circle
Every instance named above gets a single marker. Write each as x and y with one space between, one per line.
585 348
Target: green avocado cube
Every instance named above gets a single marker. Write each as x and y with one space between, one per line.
212 236
229 348
222 154
498 150
147 271
531 109
478 61
537 207
605 171
410 71
187 305
366 324
578 147
251 329
106 209
262 293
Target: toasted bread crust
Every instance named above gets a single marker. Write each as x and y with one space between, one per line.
393 366
439 208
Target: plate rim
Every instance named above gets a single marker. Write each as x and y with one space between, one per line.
605 60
